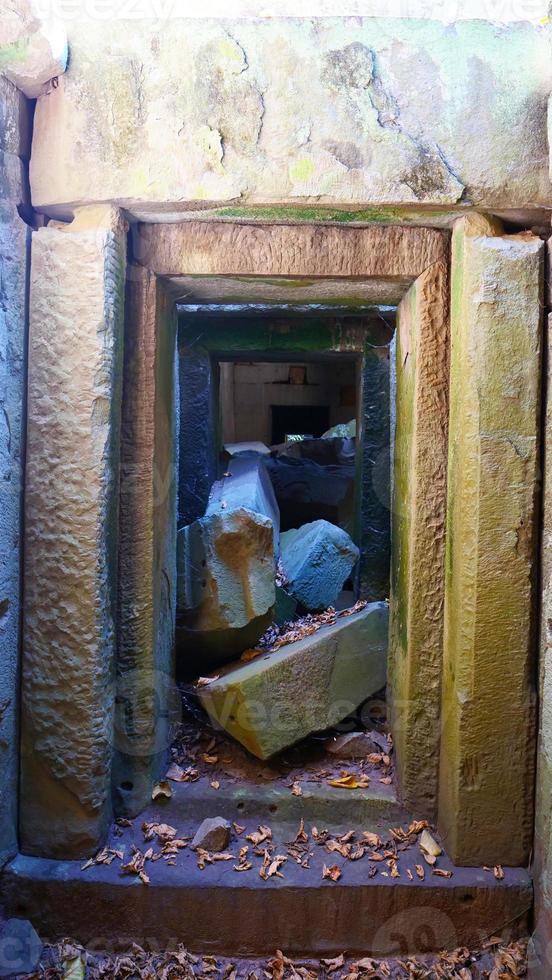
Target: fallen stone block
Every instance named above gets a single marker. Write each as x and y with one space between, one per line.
226 567
212 835
279 698
317 560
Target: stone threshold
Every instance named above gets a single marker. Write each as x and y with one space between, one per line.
220 911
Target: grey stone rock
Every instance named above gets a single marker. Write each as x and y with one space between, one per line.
226 567
20 948
285 607
213 834
357 745
277 699
317 559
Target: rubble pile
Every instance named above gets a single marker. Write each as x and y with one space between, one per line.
257 604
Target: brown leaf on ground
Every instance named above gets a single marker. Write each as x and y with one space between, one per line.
104 856
163 831
215 784
243 863
335 964
210 760
238 828
207 857
374 840
333 872
296 789
179 775
260 835
349 780
420 871
499 872
271 866
161 790
204 681
441 873
136 866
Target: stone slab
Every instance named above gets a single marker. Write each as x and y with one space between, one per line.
198 438
219 911
418 534
138 118
317 559
71 512
489 697
278 698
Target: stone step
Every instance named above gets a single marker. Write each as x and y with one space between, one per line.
221 911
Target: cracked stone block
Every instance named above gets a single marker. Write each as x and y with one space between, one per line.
317 560
34 48
226 566
102 133
279 698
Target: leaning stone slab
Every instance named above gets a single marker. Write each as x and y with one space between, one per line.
226 566
317 559
277 699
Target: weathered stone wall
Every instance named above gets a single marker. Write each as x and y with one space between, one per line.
14 252
71 532
488 703
344 112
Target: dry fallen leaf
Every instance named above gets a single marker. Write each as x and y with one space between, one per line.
374 840
334 964
428 844
161 790
296 789
271 866
210 760
420 871
239 829
349 780
260 835
204 681
499 872
441 873
333 872
243 864
215 784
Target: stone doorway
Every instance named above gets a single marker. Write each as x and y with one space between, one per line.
123 730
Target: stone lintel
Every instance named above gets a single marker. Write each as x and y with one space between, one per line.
216 248
71 508
488 701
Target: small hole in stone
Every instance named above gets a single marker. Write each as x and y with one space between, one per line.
232 717
467 898
126 785
203 562
241 806
273 807
203 583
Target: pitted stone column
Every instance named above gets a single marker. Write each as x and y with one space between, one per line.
488 705
71 505
418 535
147 701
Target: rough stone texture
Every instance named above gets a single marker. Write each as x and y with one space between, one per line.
213 834
198 386
14 271
264 703
488 703
216 248
20 948
165 116
33 48
71 509
540 957
317 559
246 483
226 592
241 915
147 703
418 534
